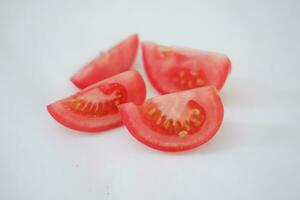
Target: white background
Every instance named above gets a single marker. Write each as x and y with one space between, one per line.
255 154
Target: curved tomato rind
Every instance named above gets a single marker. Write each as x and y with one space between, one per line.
166 66
73 121
131 82
116 60
206 97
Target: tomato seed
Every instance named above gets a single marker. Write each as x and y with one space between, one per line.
182 133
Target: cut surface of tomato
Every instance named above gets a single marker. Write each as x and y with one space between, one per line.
95 108
177 121
172 69
116 60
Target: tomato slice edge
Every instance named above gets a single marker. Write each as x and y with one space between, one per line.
131 119
148 47
55 110
131 80
82 81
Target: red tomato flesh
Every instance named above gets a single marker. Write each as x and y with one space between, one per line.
177 121
116 60
173 69
95 108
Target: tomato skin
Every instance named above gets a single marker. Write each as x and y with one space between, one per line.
135 88
214 67
206 96
57 108
116 60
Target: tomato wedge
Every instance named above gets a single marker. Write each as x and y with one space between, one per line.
95 108
116 60
177 121
173 69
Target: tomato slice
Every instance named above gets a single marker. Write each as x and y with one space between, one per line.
177 121
173 69
95 108
116 60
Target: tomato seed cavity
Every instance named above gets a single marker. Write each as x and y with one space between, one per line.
189 122
186 79
107 98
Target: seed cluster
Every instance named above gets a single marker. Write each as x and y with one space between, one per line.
79 104
167 125
187 79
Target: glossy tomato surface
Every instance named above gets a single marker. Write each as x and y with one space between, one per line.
177 121
116 60
95 108
172 69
